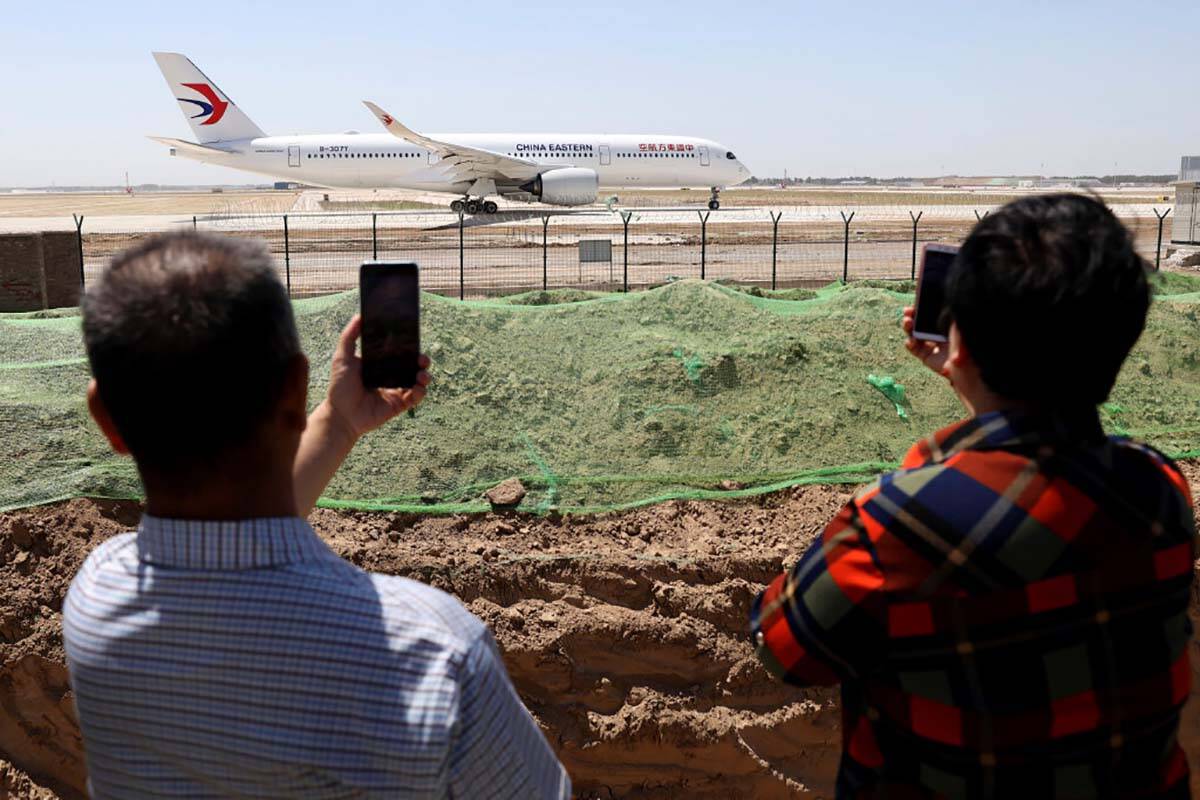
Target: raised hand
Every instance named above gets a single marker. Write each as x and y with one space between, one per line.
932 354
359 409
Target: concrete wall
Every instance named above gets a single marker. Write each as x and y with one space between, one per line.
39 270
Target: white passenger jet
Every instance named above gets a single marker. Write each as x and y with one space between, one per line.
565 169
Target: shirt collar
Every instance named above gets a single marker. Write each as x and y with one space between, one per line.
1011 430
227 544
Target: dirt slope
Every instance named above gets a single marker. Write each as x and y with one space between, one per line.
624 634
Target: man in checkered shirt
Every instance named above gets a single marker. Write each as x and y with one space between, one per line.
1007 613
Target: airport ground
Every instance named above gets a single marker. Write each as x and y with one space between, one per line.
321 248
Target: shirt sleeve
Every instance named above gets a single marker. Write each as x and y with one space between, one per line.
498 750
824 620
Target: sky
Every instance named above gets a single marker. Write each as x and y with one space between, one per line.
888 89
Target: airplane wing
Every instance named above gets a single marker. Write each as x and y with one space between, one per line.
463 163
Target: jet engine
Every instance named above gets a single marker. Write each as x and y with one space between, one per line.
568 186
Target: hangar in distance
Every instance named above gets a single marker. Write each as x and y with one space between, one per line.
558 169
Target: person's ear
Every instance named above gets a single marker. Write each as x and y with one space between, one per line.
294 402
959 356
99 412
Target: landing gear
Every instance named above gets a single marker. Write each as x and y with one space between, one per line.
469 206
713 202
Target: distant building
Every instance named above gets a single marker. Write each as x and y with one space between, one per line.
1189 168
1185 220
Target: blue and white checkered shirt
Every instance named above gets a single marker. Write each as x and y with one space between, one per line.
245 659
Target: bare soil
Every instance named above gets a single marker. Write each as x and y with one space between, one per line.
625 634
112 204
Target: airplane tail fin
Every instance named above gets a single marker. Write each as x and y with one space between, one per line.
210 112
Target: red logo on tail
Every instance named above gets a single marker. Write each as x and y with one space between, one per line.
216 106
387 119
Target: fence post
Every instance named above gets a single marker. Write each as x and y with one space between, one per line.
1157 248
374 240
774 243
846 245
79 244
979 217
193 222
915 220
545 227
625 217
703 240
287 255
462 285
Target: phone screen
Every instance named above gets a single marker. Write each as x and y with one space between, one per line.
391 330
930 322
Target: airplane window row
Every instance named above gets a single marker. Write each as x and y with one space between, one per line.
362 155
618 155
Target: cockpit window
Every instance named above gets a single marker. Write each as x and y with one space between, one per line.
730 156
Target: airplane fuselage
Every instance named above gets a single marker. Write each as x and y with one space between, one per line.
358 160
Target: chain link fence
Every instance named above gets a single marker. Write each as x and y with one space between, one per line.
513 252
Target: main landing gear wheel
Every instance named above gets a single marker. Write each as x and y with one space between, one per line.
457 206
472 206
713 205
490 208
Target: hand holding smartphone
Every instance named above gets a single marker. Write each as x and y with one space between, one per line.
930 323
390 294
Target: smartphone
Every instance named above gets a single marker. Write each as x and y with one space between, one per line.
930 323
390 293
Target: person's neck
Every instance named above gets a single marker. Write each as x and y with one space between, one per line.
991 403
227 496
988 402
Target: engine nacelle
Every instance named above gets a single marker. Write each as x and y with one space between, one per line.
568 186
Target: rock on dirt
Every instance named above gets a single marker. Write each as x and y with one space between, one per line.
507 494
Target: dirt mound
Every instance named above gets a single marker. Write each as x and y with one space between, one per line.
625 634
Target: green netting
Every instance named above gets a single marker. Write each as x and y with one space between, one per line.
893 391
605 402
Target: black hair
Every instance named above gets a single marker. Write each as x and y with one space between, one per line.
189 337
1050 296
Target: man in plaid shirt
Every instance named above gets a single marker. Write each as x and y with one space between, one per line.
1007 613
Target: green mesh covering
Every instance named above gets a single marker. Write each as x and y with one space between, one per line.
893 391
606 402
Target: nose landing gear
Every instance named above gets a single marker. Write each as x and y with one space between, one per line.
713 202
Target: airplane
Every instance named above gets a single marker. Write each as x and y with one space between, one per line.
563 169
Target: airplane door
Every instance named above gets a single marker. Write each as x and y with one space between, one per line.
605 156
433 158
703 156
293 155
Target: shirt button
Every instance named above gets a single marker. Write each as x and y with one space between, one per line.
759 639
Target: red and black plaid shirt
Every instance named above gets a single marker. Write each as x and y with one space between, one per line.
1007 615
